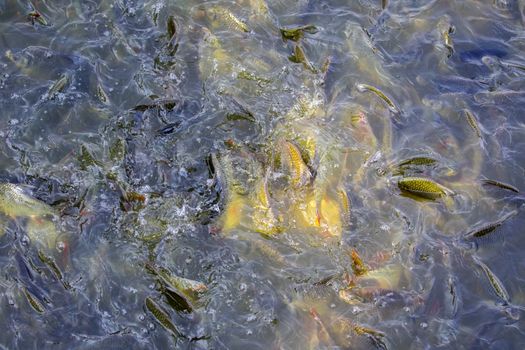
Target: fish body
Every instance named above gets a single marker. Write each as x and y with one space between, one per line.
344 202
33 301
264 218
297 33
423 187
226 18
299 56
473 122
358 266
447 40
15 202
299 173
58 86
417 161
321 215
485 230
502 185
495 282
380 94
162 316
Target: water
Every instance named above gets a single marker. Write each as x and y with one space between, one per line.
122 147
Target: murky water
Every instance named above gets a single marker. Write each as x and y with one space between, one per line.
198 139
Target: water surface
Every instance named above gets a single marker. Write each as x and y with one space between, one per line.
123 149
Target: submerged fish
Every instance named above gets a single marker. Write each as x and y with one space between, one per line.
412 165
264 219
344 202
417 161
190 288
16 202
35 16
495 282
447 40
500 184
162 316
33 301
344 327
299 173
101 94
473 122
58 86
488 229
299 56
227 18
423 187
358 266
297 33
380 94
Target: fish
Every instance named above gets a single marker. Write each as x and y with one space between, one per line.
33 301
500 184
161 104
233 212
473 122
162 317
35 16
86 159
270 252
169 128
365 87
117 150
300 173
264 219
485 230
171 28
50 262
362 130
322 332
101 94
329 217
227 18
58 86
297 33
344 202
171 33
447 40
233 191
190 288
423 187
15 202
358 266
262 195
414 164
417 161
496 284
343 327
375 337
244 74
299 56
